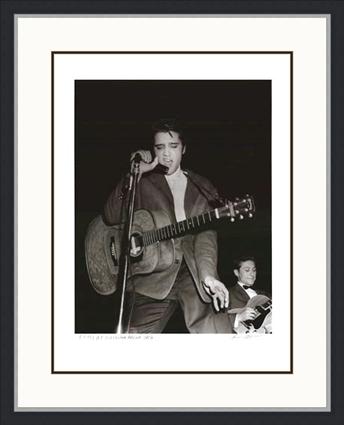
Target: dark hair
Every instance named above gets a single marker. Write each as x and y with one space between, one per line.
238 262
167 125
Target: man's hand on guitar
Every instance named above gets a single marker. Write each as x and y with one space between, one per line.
146 164
247 314
217 291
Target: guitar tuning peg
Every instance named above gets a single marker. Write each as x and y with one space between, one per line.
232 219
250 215
241 216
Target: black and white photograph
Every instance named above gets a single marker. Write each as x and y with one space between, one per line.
200 244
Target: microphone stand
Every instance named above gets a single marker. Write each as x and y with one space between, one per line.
122 326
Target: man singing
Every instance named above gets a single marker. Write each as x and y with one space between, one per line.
192 280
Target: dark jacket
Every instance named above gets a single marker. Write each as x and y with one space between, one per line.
238 298
199 250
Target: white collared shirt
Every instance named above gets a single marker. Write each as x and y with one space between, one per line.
250 292
177 183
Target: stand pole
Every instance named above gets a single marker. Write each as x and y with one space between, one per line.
122 327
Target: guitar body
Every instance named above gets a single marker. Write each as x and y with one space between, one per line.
151 242
103 247
262 322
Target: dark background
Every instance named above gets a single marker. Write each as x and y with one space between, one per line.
228 133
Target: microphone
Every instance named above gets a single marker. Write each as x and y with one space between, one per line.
141 155
136 158
146 156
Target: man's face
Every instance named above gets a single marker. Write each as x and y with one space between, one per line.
247 273
169 150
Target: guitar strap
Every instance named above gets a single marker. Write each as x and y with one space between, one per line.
214 201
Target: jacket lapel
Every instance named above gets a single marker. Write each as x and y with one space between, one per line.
191 197
160 183
241 293
191 201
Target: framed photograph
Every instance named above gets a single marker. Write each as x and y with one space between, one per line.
251 94
215 111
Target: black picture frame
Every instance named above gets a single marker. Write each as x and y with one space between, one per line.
8 11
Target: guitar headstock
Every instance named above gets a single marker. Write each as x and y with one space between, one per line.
240 208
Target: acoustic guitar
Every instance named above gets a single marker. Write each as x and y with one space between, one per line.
151 242
262 305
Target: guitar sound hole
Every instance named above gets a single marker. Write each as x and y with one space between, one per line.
113 251
136 245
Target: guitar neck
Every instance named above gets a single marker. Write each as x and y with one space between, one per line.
230 209
181 227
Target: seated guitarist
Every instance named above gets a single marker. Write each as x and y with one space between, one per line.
242 293
191 281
